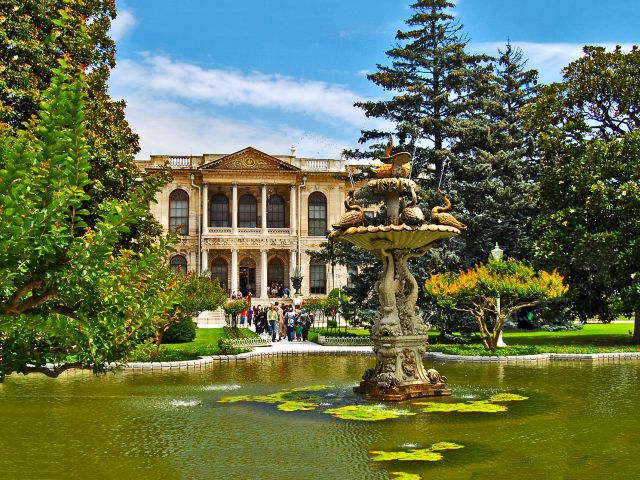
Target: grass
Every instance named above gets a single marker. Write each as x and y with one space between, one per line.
593 338
205 344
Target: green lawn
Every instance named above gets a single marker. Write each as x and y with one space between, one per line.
593 338
205 344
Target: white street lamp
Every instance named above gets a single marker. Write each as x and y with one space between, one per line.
496 253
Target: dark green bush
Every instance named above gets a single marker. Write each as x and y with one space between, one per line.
181 332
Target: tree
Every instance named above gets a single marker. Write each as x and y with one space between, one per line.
34 36
494 181
474 292
65 290
233 309
590 185
193 295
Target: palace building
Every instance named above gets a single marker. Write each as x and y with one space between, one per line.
249 218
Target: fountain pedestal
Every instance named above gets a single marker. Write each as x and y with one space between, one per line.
399 373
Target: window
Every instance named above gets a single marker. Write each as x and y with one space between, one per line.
318 278
275 212
275 272
247 212
219 271
317 215
179 212
178 265
219 211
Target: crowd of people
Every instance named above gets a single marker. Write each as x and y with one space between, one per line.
278 321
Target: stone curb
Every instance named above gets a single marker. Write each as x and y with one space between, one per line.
539 358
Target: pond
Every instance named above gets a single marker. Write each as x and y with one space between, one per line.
580 420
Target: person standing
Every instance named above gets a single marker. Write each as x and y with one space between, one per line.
272 317
290 320
305 321
243 317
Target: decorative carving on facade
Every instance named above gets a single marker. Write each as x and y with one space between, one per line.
258 243
409 364
249 159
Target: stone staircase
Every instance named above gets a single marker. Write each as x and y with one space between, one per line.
212 318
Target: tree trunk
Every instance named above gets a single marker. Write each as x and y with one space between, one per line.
636 328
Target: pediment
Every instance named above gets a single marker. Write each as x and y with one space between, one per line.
249 159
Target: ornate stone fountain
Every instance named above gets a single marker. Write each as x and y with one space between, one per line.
399 333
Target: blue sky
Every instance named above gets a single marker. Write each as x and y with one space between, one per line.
215 76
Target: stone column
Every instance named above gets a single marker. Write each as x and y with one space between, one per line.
234 209
234 270
293 261
292 211
205 260
263 274
205 210
264 208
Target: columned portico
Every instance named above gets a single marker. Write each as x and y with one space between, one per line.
263 277
234 270
234 210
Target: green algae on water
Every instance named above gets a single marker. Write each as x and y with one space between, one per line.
507 397
480 406
430 454
405 476
367 413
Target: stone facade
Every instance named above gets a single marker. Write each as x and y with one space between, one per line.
249 218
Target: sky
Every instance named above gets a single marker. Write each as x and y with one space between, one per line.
216 76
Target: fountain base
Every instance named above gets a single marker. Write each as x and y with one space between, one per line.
371 391
399 373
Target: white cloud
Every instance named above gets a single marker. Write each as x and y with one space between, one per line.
548 58
169 128
168 78
122 25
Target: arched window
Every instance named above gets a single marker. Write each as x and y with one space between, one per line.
318 278
179 212
178 265
219 216
275 273
275 212
317 215
247 212
219 271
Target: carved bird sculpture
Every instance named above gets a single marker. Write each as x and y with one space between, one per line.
354 216
412 216
439 215
397 165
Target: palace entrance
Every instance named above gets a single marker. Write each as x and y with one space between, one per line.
248 276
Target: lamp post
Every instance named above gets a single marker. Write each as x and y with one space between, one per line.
496 253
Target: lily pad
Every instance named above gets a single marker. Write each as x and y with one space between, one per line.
367 413
467 407
406 476
507 397
293 406
419 454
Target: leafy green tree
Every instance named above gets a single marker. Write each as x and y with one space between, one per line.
474 292
34 36
193 295
588 227
233 309
66 292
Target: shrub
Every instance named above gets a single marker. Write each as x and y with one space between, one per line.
181 332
